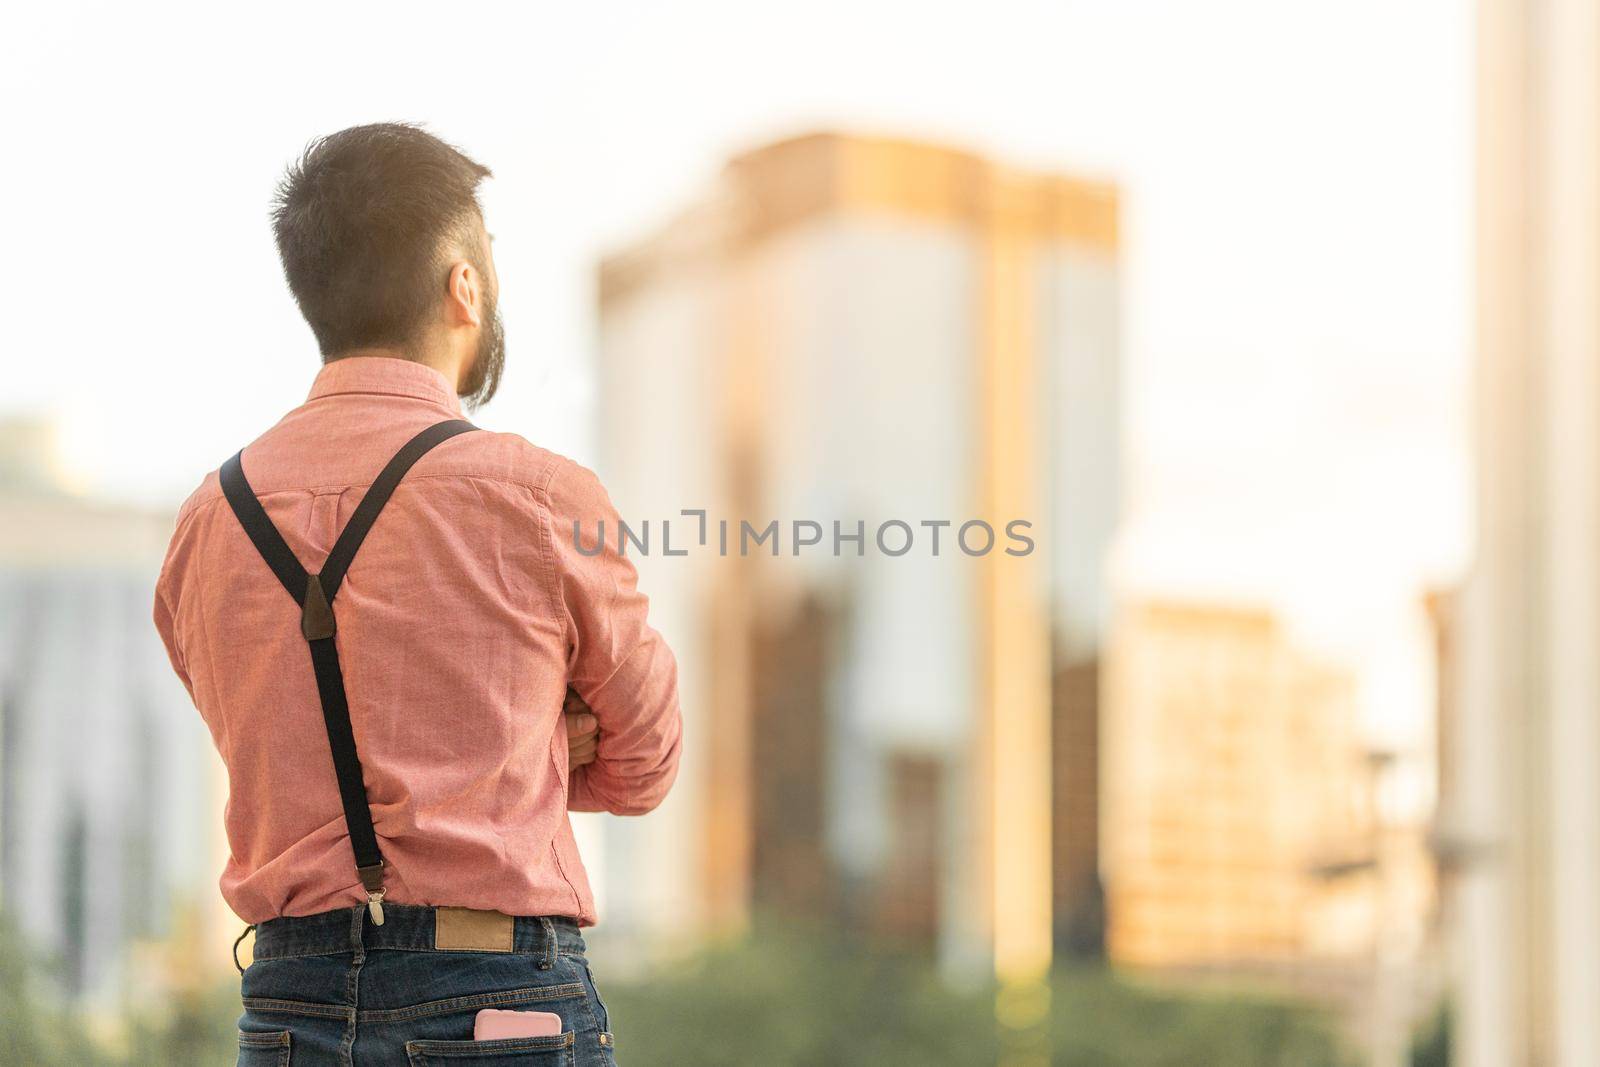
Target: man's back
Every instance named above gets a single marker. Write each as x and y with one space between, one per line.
466 614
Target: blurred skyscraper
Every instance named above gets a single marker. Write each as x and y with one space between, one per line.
1231 769
109 791
1523 827
863 330
1243 831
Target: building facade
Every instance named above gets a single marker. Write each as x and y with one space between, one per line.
110 791
1243 830
1232 771
848 331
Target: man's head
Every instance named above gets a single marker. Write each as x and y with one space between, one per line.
384 247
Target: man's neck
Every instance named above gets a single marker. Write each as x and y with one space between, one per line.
442 362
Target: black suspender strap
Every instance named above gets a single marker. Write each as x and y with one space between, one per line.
314 593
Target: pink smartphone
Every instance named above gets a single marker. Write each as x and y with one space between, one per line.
495 1023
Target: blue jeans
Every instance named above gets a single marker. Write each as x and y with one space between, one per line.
335 989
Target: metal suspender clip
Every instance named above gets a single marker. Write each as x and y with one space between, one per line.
372 881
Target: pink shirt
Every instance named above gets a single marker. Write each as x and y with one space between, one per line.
463 619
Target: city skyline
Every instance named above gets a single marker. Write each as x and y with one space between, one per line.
1189 289
1295 253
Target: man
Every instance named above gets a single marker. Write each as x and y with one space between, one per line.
400 768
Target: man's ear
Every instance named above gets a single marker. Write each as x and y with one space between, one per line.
464 295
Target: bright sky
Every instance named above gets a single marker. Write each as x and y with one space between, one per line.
1297 193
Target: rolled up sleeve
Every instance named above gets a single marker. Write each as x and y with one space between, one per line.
621 667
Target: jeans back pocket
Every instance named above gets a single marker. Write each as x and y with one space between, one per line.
553 1051
264 1049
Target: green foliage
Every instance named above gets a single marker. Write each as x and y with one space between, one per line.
1432 1046
198 1026
31 1033
202 1027
785 997
1102 1021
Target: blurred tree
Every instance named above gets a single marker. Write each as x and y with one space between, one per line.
789 996
1102 1021
1432 1046
31 1033
202 1027
785 997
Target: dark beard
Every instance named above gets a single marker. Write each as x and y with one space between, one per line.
483 379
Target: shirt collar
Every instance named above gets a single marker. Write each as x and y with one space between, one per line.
385 375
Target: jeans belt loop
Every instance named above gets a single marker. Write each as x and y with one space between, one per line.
358 922
549 927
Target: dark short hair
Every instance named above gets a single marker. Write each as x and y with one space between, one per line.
365 220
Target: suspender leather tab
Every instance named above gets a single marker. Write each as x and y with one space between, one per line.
315 593
316 614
